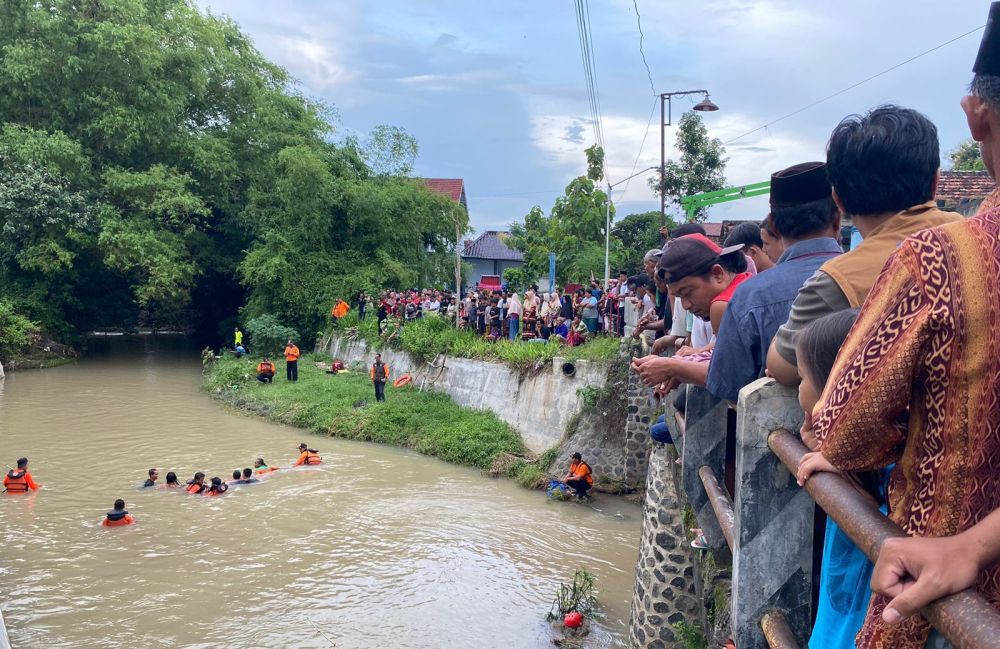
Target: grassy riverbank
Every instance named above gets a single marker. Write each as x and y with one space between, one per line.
344 406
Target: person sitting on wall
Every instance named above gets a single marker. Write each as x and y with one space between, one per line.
265 371
580 478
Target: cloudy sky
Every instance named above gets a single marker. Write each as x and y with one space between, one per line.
494 91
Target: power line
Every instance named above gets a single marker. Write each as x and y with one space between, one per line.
859 83
589 68
642 53
635 164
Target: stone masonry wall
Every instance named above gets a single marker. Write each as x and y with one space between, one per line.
666 585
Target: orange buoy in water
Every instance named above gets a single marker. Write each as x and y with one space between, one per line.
401 381
573 619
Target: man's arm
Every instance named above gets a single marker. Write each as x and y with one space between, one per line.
654 370
819 296
916 571
733 362
871 384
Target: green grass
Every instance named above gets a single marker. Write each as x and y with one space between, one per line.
344 406
428 337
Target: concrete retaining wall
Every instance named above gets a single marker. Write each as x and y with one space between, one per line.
539 406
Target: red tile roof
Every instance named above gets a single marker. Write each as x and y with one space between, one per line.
453 188
713 229
958 185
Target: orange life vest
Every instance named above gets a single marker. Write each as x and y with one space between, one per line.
582 470
291 353
16 483
196 488
265 366
117 519
310 457
270 469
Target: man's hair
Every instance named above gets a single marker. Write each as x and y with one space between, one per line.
151 472
247 472
797 221
766 224
119 505
987 88
237 474
685 229
22 462
883 161
746 233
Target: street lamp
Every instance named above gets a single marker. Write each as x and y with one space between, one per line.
704 106
607 223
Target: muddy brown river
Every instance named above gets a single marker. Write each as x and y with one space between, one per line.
377 547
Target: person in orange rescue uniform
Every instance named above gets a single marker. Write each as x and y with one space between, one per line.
292 361
308 456
380 374
580 478
265 371
18 481
119 516
340 309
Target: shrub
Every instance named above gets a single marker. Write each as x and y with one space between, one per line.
268 335
15 330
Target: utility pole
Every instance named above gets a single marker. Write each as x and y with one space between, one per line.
666 106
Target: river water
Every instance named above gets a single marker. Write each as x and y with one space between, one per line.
377 547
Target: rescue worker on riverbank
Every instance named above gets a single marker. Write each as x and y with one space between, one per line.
308 456
151 480
19 481
380 374
119 516
197 484
265 371
580 478
291 361
340 309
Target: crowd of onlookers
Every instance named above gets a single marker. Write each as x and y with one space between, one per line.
894 346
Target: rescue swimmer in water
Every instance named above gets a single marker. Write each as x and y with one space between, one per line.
260 467
307 456
119 516
19 481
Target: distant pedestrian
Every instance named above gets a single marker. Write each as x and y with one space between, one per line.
379 374
237 338
291 361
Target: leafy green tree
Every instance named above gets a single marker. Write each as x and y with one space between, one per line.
638 233
701 167
15 330
967 157
267 334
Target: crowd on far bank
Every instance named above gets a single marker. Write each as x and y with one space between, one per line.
892 345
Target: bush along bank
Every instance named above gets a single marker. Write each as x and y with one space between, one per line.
344 406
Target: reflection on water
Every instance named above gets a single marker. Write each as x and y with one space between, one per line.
377 547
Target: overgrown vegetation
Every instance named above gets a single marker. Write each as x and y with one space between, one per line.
577 595
689 635
428 337
343 405
267 335
15 331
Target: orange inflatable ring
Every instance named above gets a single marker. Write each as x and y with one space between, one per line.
401 381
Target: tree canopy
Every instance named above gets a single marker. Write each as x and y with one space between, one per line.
701 167
156 169
967 157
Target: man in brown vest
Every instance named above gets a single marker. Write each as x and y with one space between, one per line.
884 170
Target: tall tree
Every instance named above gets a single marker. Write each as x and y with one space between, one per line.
638 233
701 167
967 157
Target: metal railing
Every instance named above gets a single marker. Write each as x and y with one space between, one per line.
766 520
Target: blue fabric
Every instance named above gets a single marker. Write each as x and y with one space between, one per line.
759 306
843 591
660 432
512 327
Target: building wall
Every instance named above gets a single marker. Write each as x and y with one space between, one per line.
482 267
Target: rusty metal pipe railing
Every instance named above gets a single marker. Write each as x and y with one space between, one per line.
679 420
776 631
965 619
722 505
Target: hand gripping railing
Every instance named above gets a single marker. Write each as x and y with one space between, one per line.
965 619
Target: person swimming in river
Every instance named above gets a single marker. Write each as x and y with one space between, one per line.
308 456
246 477
197 484
119 516
171 483
151 480
260 467
19 481
217 489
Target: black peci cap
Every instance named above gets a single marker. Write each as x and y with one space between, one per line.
798 184
988 59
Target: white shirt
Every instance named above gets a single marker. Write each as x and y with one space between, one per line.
678 323
701 333
434 305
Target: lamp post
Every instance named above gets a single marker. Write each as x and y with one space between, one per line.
703 106
607 223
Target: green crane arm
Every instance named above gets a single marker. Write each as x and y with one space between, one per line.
692 204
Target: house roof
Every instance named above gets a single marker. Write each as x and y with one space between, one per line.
713 229
453 188
955 186
491 245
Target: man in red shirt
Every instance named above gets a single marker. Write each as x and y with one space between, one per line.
19 481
